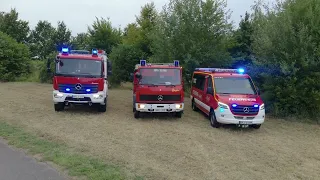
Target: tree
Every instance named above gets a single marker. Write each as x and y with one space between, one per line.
103 36
62 36
11 25
286 43
81 41
42 39
194 32
14 58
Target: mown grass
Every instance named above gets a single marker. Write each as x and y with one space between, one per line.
75 164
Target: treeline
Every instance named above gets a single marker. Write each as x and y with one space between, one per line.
278 45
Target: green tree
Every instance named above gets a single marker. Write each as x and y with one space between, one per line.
14 58
42 41
103 36
13 26
81 41
195 32
62 36
286 43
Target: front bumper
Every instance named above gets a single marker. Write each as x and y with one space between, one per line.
176 107
225 116
96 98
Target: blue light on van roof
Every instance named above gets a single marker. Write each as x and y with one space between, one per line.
65 50
143 62
241 70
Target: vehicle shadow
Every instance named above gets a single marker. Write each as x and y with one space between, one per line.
158 116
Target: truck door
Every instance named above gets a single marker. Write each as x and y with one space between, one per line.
209 95
198 91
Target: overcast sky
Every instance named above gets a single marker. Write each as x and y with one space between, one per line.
78 14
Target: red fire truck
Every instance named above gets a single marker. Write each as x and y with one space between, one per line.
158 88
227 96
80 79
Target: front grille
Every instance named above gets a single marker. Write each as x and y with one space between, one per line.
77 99
156 98
239 110
93 88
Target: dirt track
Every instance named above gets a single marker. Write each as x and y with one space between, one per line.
167 148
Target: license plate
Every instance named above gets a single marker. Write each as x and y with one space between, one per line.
245 122
78 96
160 110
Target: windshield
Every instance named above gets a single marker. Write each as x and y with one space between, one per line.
79 67
233 85
160 76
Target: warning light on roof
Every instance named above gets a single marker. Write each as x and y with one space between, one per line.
143 62
176 63
241 70
65 50
94 51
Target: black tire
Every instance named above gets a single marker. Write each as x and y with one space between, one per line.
213 120
178 114
133 109
193 105
256 126
59 107
136 114
103 108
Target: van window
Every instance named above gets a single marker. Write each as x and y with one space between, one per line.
209 82
234 85
198 81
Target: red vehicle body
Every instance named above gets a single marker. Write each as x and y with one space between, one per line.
158 88
227 97
81 79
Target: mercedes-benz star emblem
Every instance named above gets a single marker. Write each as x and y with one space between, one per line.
160 98
78 86
246 109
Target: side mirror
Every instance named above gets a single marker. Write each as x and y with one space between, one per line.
131 77
138 75
48 66
258 91
210 90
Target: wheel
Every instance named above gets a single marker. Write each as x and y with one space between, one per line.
136 114
133 109
256 126
213 120
178 114
59 107
193 105
103 108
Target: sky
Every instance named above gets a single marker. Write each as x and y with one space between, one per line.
79 14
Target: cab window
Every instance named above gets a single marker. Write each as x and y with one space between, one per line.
198 81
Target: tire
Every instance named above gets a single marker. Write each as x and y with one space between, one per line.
103 108
59 107
256 126
193 105
213 120
136 114
178 114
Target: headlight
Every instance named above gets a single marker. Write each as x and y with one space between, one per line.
97 96
58 95
178 106
222 105
262 107
141 106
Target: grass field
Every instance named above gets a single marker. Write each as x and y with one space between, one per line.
164 147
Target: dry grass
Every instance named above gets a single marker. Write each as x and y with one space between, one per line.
167 148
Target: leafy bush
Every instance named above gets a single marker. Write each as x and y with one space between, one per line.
14 58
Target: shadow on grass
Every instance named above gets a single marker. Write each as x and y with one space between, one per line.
76 164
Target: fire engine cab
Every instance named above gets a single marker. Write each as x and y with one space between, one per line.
81 79
227 96
158 87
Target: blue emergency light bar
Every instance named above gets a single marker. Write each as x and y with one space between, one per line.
94 51
240 70
143 62
65 50
176 63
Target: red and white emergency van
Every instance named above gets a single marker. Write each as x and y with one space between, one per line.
80 79
227 96
158 88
